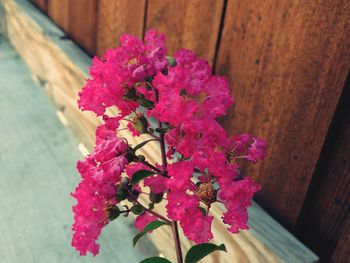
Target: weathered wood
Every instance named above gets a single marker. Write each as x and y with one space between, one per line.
82 24
62 76
116 18
187 24
287 62
58 11
326 207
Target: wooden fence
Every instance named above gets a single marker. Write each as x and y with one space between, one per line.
287 62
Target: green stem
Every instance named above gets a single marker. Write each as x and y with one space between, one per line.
174 226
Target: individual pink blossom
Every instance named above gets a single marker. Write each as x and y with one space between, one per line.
180 176
236 200
108 148
196 226
180 203
108 129
157 183
143 220
240 142
257 150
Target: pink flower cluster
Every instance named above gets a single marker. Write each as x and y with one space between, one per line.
176 100
100 172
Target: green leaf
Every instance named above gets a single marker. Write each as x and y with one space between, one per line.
145 103
198 252
141 174
204 212
140 145
155 260
151 226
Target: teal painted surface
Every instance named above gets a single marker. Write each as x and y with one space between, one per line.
37 174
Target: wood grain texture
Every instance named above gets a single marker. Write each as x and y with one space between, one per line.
42 4
342 251
327 204
82 24
287 62
190 24
58 11
116 18
60 68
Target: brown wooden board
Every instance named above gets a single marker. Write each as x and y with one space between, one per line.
342 251
82 25
116 17
61 68
42 4
58 11
189 24
326 207
287 62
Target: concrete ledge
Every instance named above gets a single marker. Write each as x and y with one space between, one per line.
61 68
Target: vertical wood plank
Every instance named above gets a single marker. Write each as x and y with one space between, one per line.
42 4
116 18
190 24
82 24
287 62
58 11
342 251
326 207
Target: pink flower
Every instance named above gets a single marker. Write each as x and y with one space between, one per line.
180 176
180 203
108 148
100 173
94 194
237 198
113 76
157 183
185 99
239 142
134 167
196 226
257 150
143 220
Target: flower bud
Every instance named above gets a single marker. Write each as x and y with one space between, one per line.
140 123
121 193
132 195
206 192
137 209
141 158
113 212
171 61
155 198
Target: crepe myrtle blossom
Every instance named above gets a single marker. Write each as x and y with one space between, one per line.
175 101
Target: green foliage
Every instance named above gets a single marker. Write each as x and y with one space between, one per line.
151 226
140 145
140 175
198 252
155 260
